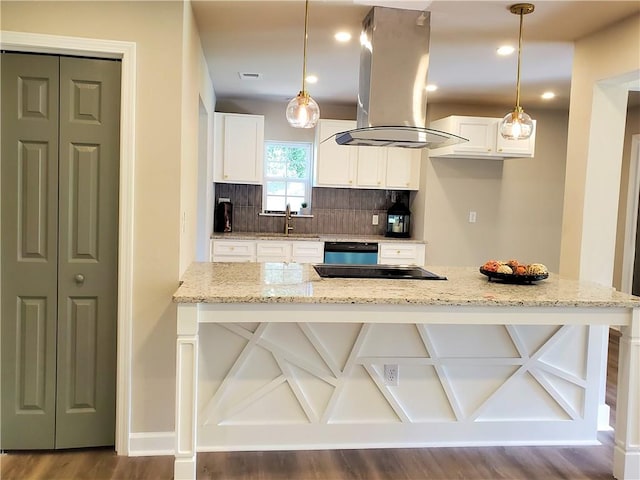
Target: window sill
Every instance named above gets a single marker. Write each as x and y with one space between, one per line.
293 214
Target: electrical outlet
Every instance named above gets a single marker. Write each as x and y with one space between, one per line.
472 217
391 374
374 220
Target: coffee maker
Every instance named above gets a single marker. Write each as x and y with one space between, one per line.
398 220
223 217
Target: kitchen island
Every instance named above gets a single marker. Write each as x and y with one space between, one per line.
271 356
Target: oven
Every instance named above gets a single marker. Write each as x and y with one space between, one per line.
359 253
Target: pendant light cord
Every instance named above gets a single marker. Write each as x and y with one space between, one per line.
304 51
518 71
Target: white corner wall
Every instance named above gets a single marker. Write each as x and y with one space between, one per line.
196 87
606 65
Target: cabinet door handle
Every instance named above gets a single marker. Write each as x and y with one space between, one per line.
78 278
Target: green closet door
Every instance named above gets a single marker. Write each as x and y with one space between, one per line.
58 250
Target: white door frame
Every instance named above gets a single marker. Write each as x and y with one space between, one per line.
631 222
126 52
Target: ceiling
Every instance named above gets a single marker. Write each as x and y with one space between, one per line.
266 37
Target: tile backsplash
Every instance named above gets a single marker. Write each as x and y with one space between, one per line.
334 210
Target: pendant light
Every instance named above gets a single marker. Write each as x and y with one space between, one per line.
303 111
517 125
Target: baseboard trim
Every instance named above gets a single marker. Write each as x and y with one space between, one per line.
147 444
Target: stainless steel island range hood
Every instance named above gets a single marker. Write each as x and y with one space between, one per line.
392 99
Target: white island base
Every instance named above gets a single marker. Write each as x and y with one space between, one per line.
260 376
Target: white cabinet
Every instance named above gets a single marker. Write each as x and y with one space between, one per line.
238 148
372 167
335 165
403 168
516 148
484 137
300 251
362 167
273 251
397 253
307 252
233 251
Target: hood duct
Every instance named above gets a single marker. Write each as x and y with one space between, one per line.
392 99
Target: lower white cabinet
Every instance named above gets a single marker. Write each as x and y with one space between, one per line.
307 252
396 253
233 251
301 251
273 251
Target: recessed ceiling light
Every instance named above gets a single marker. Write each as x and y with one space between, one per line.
505 50
548 95
311 79
342 36
431 87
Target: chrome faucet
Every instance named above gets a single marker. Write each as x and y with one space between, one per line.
287 218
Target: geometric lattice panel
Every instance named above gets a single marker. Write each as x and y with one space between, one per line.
332 374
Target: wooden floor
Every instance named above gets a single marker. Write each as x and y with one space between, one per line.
491 463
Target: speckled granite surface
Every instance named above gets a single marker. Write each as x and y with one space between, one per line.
323 237
298 283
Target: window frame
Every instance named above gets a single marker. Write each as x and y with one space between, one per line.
308 180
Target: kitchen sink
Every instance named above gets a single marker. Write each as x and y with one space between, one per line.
291 235
395 272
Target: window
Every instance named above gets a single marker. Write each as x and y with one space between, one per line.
287 176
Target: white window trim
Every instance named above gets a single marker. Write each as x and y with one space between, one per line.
307 181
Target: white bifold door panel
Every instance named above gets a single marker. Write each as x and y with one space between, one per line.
60 168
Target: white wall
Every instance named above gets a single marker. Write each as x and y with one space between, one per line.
518 201
604 64
165 153
632 127
196 87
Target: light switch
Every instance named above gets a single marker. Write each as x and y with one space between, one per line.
472 217
374 220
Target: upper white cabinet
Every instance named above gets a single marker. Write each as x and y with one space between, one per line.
335 165
238 148
403 168
485 140
362 167
372 167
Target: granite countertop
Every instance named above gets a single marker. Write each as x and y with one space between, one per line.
300 284
321 237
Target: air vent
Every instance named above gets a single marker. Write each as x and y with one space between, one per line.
250 76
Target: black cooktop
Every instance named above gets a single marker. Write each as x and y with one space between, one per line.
395 272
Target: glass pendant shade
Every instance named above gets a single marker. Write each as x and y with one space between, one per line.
516 125
303 111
